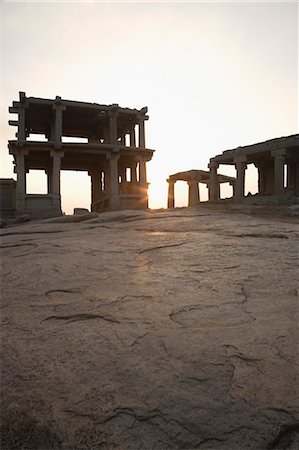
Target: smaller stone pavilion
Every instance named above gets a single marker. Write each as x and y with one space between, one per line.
107 141
193 178
277 161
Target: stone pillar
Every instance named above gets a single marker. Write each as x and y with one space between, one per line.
55 187
233 185
113 114
261 178
21 134
141 143
95 186
134 173
291 176
132 137
21 180
170 200
49 174
143 185
213 185
240 164
279 159
193 197
142 172
57 124
114 185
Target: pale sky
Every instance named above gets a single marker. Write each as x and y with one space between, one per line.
213 75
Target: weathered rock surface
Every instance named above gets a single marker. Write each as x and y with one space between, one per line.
151 330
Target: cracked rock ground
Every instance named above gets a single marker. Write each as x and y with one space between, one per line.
150 330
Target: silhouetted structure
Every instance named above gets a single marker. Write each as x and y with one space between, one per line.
277 161
111 153
193 178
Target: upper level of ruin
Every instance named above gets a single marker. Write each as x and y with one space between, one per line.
58 119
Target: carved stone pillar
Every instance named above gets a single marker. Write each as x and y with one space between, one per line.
233 185
261 178
193 198
57 123
279 160
55 187
114 185
132 137
134 173
95 186
49 173
141 143
142 172
113 114
21 180
143 185
170 199
291 176
240 164
213 185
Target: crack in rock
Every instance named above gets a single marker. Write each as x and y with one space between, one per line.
143 416
160 247
263 235
79 317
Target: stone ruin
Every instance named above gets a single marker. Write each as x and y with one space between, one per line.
193 178
114 154
277 161
111 154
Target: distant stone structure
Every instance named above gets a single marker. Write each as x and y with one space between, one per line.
193 178
110 154
277 161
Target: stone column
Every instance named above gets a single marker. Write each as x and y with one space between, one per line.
55 188
141 143
23 105
143 185
132 137
21 180
122 173
142 172
134 173
49 174
213 185
114 185
57 124
261 178
113 114
21 134
170 199
279 159
233 185
240 164
95 186
291 176
193 197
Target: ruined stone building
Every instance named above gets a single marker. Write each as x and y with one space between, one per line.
193 178
277 161
112 151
